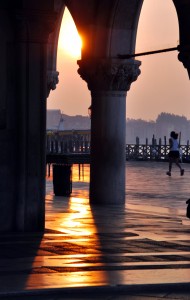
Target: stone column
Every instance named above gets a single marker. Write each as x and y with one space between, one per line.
108 80
32 87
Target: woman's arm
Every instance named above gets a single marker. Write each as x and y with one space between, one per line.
170 143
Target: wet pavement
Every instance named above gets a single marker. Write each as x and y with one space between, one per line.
137 251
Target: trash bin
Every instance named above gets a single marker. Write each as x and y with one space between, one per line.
62 179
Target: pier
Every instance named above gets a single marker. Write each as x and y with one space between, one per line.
73 147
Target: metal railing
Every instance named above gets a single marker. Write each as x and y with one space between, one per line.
79 143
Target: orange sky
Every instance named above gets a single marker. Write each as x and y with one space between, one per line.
163 85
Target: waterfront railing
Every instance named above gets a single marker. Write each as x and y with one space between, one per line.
76 142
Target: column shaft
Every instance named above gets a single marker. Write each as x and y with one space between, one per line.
107 175
31 130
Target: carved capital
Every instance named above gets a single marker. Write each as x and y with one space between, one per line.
109 74
52 81
184 57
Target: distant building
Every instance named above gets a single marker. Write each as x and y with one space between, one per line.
58 121
144 130
54 120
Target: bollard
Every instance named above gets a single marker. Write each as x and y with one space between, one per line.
62 179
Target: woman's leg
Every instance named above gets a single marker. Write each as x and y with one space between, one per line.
170 167
179 166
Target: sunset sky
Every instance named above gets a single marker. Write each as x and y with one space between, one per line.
163 85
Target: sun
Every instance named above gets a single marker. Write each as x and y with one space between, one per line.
69 39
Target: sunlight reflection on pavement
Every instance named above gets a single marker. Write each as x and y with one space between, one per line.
144 242
115 240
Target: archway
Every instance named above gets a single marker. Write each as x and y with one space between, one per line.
108 41
71 95
163 80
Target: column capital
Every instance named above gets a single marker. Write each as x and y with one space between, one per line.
184 57
52 81
109 74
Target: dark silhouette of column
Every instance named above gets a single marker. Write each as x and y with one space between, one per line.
32 30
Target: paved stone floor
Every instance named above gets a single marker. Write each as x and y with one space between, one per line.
137 251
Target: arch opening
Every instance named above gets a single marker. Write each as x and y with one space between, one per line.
163 80
71 95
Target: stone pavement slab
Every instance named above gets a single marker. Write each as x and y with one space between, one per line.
106 293
141 249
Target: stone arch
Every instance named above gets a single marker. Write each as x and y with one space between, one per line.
106 32
183 13
124 27
52 72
